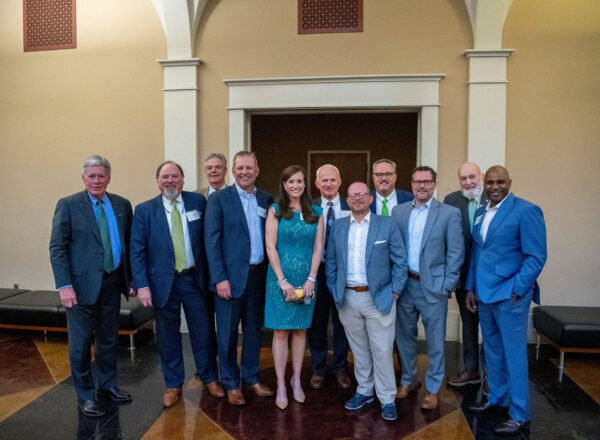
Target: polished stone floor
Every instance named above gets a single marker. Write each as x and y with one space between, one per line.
37 401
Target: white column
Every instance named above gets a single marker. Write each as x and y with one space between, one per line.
428 137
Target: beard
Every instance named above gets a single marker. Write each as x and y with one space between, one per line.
474 193
170 193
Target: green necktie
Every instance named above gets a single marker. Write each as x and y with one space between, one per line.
108 263
384 208
177 237
472 209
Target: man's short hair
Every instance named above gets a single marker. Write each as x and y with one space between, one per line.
219 156
391 162
245 154
425 168
327 165
167 162
96 161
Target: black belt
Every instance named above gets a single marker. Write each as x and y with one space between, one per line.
255 266
414 275
185 272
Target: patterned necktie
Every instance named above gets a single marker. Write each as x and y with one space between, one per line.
330 219
108 263
472 209
177 237
384 208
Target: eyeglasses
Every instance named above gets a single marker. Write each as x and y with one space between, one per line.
422 182
380 175
358 196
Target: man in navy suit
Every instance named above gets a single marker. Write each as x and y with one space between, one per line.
467 200
508 254
89 253
385 195
366 271
235 248
169 270
328 181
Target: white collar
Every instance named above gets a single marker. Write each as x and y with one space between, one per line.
366 219
489 203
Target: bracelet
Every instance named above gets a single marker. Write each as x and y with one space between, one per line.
281 281
311 279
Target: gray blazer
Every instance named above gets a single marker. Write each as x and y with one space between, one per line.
442 247
385 261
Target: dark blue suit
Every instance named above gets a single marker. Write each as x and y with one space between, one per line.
503 271
76 255
153 265
401 197
228 249
317 333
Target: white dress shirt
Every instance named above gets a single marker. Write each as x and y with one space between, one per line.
392 201
189 255
490 212
212 190
357 251
337 206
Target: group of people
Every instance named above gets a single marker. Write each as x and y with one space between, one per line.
373 261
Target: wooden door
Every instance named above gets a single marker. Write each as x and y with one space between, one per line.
353 165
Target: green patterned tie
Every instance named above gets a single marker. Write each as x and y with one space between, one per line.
472 209
177 237
108 263
384 208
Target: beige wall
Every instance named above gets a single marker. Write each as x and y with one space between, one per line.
553 136
58 107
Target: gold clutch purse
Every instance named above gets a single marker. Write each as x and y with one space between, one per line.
300 298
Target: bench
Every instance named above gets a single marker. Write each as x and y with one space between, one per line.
570 329
42 310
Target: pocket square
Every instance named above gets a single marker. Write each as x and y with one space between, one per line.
380 242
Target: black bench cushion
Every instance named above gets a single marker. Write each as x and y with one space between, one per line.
569 326
36 308
7 293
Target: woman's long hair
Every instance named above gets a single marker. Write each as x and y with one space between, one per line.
284 200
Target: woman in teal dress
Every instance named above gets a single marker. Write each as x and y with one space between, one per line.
294 257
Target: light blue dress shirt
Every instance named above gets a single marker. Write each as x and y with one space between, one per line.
416 226
250 205
113 228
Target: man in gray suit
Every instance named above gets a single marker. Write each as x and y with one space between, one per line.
215 167
89 253
366 270
434 241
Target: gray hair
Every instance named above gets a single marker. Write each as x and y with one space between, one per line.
96 161
219 156
391 162
327 165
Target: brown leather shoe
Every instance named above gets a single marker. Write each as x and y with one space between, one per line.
343 381
235 397
171 397
463 378
316 382
430 401
404 390
261 390
215 389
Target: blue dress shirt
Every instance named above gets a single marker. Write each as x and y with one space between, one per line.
113 228
250 205
416 226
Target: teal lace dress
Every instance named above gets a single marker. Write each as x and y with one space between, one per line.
295 241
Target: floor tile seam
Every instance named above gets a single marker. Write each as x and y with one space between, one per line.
115 414
437 421
56 382
214 423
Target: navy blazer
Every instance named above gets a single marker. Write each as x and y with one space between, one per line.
227 237
152 254
401 197
512 255
76 252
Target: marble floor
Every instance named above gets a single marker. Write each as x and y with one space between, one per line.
37 401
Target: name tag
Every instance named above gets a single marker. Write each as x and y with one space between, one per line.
192 216
380 242
478 220
345 213
262 212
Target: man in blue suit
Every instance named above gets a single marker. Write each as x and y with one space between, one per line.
89 253
508 254
169 270
385 195
235 248
434 242
334 206
366 270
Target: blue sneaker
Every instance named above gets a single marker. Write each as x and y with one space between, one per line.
358 401
388 411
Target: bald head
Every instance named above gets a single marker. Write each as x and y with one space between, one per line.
469 178
497 184
328 181
359 200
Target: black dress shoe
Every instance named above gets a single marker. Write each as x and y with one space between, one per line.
91 408
484 407
510 427
115 394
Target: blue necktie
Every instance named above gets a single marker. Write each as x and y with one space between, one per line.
330 219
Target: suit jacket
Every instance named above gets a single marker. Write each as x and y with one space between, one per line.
513 254
152 253
227 237
442 247
401 197
343 203
385 261
204 192
459 201
76 252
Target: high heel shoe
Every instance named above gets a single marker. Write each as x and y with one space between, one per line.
298 394
281 403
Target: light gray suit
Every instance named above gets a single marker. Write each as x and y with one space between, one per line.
440 258
368 317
